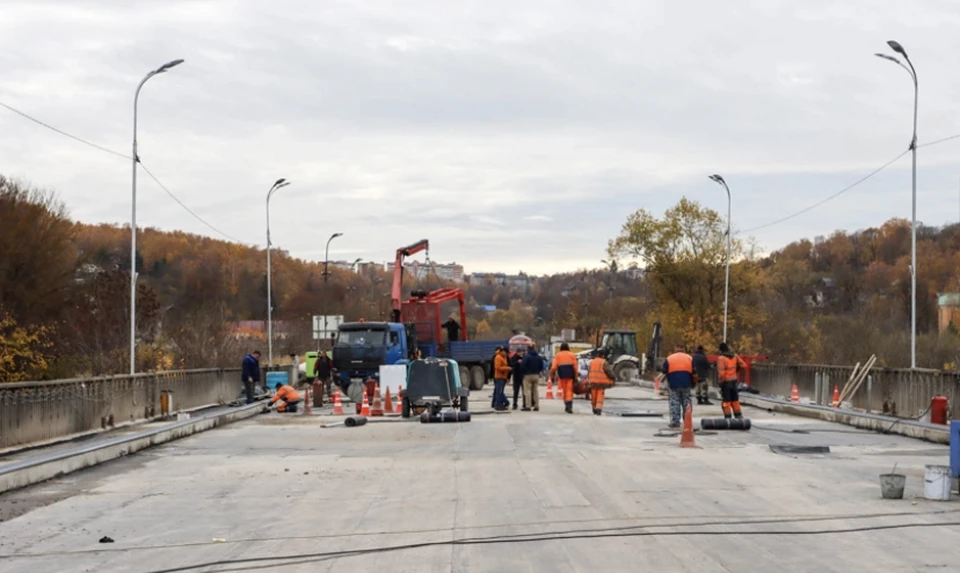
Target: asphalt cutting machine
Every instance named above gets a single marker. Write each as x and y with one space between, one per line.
432 385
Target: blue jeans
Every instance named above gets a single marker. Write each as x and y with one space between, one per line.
499 395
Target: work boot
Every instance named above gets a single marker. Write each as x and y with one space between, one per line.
727 416
536 408
514 405
597 411
525 409
569 407
738 415
699 401
707 402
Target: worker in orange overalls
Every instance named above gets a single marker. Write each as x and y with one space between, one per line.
600 377
728 364
565 371
288 398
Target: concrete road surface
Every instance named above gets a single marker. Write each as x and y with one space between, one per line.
523 491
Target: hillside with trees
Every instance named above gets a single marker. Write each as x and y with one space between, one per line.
64 293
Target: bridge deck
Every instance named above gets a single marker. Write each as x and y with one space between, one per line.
280 493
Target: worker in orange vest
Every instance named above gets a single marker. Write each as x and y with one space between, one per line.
600 377
288 398
565 372
681 379
728 364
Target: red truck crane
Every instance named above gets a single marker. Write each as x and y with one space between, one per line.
397 292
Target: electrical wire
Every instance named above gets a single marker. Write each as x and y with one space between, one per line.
831 197
280 560
187 209
61 132
118 154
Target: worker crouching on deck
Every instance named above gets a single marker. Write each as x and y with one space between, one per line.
288 398
681 378
728 364
565 371
600 377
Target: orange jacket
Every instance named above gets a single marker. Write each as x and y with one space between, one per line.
501 369
565 366
286 393
600 372
727 367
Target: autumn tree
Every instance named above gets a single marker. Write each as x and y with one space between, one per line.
39 257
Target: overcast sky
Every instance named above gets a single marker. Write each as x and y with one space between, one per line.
513 135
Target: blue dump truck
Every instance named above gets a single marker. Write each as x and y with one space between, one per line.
362 347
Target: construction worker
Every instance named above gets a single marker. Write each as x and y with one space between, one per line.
516 362
681 378
727 367
565 371
533 366
288 398
599 377
501 372
250 368
701 365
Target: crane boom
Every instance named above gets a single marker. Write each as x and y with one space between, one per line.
396 292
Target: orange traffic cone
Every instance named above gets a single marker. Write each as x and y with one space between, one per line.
308 408
377 409
399 399
836 396
337 404
549 389
794 394
387 403
365 409
686 437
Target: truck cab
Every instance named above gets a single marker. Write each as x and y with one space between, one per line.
361 348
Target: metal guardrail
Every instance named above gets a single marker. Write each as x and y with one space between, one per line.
32 412
896 392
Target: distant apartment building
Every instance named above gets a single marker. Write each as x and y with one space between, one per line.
449 272
520 280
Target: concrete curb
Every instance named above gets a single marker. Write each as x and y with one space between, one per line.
42 468
873 422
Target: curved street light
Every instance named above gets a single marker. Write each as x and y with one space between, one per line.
326 276
726 281
281 183
896 47
133 219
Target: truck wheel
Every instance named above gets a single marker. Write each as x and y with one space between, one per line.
463 403
626 371
405 408
478 377
355 391
465 377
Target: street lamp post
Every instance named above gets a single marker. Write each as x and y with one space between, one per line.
133 220
281 183
326 276
726 281
896 47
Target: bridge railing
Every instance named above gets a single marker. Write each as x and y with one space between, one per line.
898 392
33 412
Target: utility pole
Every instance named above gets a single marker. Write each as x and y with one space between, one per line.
896 47
133 220
278 185
726 281
326 276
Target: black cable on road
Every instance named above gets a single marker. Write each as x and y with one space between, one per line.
280 560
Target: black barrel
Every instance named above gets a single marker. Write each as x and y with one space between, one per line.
449 416
725 423
353 421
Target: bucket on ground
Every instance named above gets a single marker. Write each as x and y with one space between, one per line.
891 485
937 483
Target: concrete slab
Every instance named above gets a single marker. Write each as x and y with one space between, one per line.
524 491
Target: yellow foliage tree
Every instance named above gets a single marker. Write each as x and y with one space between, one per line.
22 350
484 330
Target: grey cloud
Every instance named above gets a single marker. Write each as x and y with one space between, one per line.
417 120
